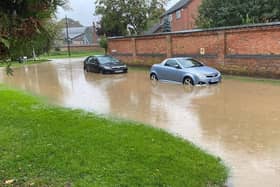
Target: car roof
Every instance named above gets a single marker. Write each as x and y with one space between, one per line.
176 58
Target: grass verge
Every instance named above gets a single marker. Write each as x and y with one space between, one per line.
74 54
17 64
44 145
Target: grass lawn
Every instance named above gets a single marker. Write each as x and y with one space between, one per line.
16 64
74 54
43 145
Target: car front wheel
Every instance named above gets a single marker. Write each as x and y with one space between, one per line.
188 81
153 77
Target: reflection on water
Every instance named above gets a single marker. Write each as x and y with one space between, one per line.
239 121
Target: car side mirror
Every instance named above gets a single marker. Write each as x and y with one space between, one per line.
177 66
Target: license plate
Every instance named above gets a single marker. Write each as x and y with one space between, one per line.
214 80
118 71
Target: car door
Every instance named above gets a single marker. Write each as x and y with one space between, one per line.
96 65
171 70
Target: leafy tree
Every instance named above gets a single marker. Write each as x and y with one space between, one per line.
216 13
120 17
25 24
104 43
71 23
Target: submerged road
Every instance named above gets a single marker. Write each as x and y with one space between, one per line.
238 121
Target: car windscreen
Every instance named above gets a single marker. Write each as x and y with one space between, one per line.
189 63
107 59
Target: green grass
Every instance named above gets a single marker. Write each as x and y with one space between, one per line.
17 64
43 145
74 54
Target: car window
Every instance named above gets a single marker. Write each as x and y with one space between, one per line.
188 63
91 60
171 63
107 59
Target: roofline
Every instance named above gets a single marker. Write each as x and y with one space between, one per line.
165 14
271 24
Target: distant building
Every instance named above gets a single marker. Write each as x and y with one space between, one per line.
181 16
79 35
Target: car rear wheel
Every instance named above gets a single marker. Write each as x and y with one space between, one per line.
87 69
188 81
153 77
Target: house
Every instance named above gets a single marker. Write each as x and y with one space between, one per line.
181 16
79 35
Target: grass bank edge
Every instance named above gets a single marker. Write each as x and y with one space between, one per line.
164 146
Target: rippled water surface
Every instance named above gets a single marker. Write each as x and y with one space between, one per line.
237 120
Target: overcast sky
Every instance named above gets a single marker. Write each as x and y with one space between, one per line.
82 10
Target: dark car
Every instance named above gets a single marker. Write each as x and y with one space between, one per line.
104 64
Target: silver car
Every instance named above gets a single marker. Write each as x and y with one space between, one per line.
185 70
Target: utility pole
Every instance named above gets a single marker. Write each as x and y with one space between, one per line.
67 36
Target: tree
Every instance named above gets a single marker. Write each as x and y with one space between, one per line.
25 24
120 17
71 23
217 13
104 43
166 25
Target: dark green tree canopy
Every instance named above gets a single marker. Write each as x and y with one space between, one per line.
120 17
217 13
166 25
26 24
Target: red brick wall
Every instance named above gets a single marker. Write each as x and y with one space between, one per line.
151 45
257 42
250 50
188 16
83 48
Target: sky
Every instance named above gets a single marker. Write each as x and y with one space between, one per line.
83 10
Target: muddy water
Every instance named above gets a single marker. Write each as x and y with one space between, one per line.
236 120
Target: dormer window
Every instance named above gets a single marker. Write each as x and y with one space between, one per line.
170 18
178 14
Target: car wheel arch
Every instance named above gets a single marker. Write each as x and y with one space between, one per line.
154 73
188 76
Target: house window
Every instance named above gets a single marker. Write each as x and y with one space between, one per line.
170 18
178 14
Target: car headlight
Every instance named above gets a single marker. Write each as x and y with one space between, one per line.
201 76
106 67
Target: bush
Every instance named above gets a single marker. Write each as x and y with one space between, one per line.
104 43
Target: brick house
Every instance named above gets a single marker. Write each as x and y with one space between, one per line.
181 16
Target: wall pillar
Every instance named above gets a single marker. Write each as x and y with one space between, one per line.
222 47
169 46
134 52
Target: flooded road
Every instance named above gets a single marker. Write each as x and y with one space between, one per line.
237 120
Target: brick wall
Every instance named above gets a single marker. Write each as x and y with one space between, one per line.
83 48
252 50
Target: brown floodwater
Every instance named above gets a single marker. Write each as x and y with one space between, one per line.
238 121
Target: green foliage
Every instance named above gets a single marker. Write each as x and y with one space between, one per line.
104 43
166 25
26 25
217 13
43 145
122 17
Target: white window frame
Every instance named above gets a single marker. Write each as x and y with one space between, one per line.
170 18
178 14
